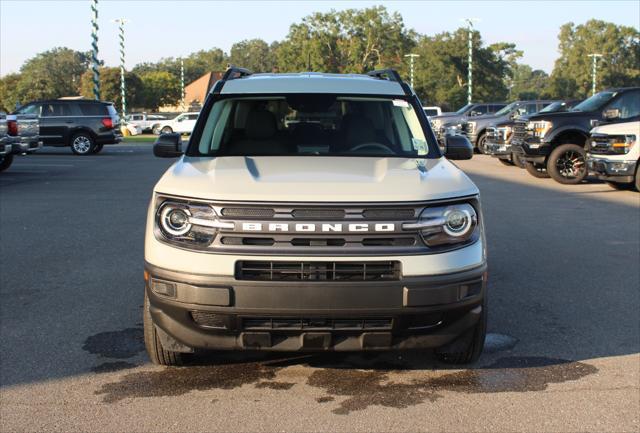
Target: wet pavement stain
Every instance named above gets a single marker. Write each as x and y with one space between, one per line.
181 380
116 344
107 367
512 374
498 342
275 385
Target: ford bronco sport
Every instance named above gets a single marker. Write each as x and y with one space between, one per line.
314 212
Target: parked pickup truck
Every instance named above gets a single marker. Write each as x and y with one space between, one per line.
499 134
614 154
6 158
476 129
353 232
450 123
556 143
146 122
22 135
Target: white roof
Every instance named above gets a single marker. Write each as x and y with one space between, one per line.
312 82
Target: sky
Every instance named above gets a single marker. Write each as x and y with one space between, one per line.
176 28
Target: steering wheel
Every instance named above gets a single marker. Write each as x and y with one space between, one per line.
373 146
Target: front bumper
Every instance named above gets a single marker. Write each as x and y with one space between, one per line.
26 144
532 150
5 149
212 312
498 149
610 169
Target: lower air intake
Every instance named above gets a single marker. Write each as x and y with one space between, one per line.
317 271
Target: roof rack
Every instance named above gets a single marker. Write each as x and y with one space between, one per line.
234 72
391 75
386 74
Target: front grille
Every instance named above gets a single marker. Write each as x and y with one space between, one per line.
601 144
247 212
317 271
391 214
316 323
520 132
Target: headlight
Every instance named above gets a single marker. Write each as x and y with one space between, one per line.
472 126
187 223
445 225
539 128
452 129
623 144
504 133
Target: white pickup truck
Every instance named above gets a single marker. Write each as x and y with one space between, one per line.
19 134
614 154
182 124
146 122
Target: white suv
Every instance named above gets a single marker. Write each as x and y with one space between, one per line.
614 154
314 212
182 124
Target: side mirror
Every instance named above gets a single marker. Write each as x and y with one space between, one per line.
612 113
168 146
458 147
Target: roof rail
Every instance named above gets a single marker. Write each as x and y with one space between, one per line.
386 74
234 72
391 75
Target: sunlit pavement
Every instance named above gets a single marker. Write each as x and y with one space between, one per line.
562 354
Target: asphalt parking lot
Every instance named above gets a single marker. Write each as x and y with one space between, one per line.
562 354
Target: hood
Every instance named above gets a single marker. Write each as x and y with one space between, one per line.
315 179
560 115
630 128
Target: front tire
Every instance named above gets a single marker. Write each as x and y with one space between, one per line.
637 181
6 161
567 164
517 161
166 130
157 353
467 348
98 148
482 144
82 144
536 170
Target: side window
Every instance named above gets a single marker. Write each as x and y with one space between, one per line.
532 108
628 104
480 110
93 109
55 110
30 109
193 117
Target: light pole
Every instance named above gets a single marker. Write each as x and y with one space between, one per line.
470 22
412 57
594 71
182 84
123 87
94 51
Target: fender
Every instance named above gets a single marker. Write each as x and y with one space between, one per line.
579 129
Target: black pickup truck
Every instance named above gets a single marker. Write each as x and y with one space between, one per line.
554 143
499 134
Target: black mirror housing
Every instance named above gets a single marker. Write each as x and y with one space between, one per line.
168 146
458 147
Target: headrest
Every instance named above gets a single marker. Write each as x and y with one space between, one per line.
260 124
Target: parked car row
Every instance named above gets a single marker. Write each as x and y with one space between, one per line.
19 134
568 141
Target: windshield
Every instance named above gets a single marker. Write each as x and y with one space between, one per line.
507 109
595 102
312 125
464 109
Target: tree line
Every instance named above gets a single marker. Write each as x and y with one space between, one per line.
355 41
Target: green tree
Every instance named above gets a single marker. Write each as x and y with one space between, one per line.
9 92
349 41
159 88
195 64
51 74
620 66
527 83
254 54
441 70
110 87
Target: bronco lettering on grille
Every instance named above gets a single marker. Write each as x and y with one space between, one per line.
316 227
